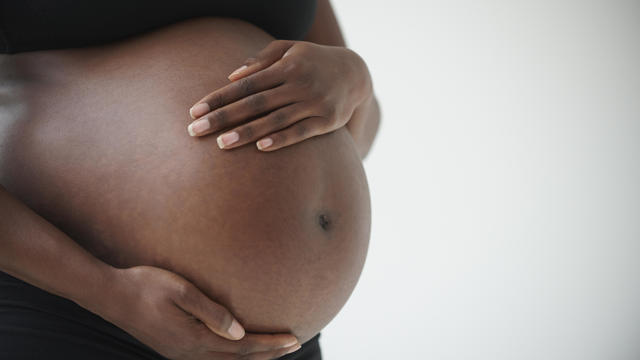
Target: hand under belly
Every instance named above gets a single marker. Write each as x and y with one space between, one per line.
101 150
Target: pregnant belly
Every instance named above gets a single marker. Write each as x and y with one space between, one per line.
95 141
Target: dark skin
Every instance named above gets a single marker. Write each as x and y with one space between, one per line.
306 88
172 294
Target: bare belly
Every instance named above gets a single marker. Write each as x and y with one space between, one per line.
95 141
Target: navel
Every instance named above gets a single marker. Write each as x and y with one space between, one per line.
324 221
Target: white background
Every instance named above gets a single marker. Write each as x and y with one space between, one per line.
505 181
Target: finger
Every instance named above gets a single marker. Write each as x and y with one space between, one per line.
301 130
262 80
272 122
240 111
265 355
267 56
215 316
268 355
250 343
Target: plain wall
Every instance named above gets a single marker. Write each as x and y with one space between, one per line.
505 182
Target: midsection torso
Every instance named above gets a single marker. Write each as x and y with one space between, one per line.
95 141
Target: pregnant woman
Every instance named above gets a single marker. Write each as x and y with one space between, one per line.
155 203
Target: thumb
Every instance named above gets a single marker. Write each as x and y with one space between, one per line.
215 316
267 56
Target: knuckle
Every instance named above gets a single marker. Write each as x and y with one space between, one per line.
301 129
273 44
304 44
250 60
331 112
331 121
280 138
280 43
216 101
185 293
219 118
246 85
270 75
279 118
275 70
256 102
290 66
246 132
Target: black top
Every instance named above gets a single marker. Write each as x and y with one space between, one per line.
29 25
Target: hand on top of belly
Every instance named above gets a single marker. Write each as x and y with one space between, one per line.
173 317
291 91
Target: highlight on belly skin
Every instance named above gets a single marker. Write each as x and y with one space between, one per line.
279 238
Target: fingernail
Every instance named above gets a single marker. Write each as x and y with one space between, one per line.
227 139
290 343
294 349
236 330
238 70
198 110
264 143
199 126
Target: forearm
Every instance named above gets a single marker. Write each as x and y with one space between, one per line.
38 253
365 120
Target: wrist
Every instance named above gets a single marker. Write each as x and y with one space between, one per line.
103 298
363 124
362 83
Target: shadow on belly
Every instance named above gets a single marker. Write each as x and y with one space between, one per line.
280 238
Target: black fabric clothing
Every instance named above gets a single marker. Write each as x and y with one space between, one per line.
30 25
35 324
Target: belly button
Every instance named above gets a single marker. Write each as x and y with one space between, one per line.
324 221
